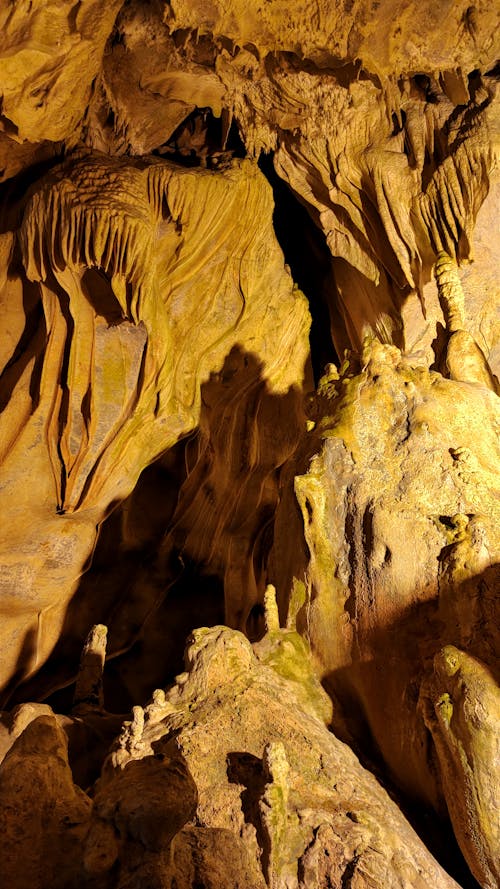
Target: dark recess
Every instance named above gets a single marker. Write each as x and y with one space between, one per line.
310 262
203 140
494 72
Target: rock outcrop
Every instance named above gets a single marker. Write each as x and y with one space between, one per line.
230 778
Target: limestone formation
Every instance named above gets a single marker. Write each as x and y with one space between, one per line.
249 362
106 389
464 359
403 559
462 715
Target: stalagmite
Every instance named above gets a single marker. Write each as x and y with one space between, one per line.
89 690
462 713
464 359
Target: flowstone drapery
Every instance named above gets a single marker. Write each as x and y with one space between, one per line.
174 455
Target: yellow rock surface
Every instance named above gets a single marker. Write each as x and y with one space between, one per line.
202 204
135 307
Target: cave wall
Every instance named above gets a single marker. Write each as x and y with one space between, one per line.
249 377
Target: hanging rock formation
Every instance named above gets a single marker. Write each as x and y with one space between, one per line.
249 382
139 291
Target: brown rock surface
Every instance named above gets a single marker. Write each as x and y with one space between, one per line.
231 779
276 792
163 457
44 816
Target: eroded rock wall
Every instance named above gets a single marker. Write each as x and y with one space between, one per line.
168 447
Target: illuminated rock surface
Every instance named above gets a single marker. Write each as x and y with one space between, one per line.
249 300
231 778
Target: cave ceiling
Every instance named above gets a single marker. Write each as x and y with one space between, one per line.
249 361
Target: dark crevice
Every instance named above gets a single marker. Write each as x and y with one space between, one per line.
310 262
96 286
347 876
30 345
246 770
398 123
64 384
494 72
15 191
8 126
475 82
203 140
427 87
255 623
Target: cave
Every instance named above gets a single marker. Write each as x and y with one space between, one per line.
249 450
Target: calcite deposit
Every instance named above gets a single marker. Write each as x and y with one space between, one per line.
249 398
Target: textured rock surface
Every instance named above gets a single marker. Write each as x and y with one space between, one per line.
135 303
231 779
463 712
171 441
400 516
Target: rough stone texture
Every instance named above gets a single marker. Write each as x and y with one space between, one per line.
400 516
229 779
462 713
171 443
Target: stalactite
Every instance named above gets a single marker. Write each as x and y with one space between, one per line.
453 197
100 217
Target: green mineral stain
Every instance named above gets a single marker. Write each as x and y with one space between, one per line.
445 705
